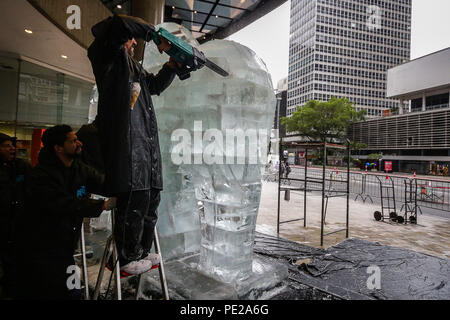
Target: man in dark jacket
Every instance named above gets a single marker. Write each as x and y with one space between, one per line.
288 169
50 228
128 133
14 174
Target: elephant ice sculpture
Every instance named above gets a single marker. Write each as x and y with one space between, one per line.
214 134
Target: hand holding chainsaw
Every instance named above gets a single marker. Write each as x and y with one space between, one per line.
190 58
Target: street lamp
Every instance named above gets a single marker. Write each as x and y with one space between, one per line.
279 125
279 161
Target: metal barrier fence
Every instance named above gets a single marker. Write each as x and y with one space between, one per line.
431 193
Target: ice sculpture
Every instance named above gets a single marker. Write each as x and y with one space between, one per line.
211 198
93 105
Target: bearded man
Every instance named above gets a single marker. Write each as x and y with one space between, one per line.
47 234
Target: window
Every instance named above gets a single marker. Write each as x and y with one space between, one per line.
43 98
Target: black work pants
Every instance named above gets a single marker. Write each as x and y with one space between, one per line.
135 221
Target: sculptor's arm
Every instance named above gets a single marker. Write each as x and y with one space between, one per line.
162 80
165 76
110 36
114 31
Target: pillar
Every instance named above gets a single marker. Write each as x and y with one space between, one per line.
151 11
424 102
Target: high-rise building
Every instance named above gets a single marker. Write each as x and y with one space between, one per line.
343 48
281 96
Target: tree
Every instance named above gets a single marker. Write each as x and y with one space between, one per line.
354 145
355 162
374 156
394 110
323 121
357 146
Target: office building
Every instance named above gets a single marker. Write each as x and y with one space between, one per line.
343 48
419 139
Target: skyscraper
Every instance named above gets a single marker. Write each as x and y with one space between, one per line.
343 48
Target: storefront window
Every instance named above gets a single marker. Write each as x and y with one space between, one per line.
35 98
75 109
39 99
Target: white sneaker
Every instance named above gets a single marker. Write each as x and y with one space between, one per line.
154 258
137 267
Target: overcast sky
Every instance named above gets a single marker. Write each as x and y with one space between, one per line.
269 36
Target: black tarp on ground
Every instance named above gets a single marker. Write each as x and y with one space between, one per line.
342 270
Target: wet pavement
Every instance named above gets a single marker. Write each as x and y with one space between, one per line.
430 236
299 248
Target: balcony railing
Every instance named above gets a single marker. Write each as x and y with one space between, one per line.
438 106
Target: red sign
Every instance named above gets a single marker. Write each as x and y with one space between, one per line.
388 166
36 145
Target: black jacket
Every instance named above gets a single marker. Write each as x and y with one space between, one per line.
57 203
129 136
92 151
14 176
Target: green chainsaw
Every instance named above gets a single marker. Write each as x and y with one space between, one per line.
191 58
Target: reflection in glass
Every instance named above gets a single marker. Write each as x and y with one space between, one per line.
35 98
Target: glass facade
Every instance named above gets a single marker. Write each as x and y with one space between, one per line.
344 48
437 101
34 98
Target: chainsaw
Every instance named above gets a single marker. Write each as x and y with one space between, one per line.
191 58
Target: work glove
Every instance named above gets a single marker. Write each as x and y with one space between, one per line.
110 204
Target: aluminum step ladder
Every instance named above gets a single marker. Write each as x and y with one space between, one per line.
111 249
83 255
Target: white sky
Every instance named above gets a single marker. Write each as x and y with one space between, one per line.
269 35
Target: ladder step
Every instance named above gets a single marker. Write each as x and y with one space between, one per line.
111 248
89 254
126 275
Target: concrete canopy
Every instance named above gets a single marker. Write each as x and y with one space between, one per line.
51 38
45 46
207 19
420 76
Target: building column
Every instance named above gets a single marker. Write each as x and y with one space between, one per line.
151 11
424 103
400 110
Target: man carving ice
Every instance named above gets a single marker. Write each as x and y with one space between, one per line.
129 135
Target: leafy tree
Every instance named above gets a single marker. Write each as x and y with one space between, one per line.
394 110
354 145
357 146
374 156
355 162
323 121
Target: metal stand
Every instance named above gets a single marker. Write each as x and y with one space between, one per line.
410 205
322 181
162 274
111 248
363 194
84 263
287 190
347 194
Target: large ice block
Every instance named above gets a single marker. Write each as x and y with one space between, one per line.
225 124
